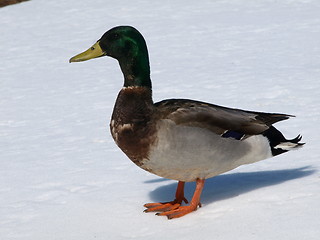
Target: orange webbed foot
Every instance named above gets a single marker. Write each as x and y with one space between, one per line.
174 209
168 206
163 207
179 212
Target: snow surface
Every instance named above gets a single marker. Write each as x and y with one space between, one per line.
61 175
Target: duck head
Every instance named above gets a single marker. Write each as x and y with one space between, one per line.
127 45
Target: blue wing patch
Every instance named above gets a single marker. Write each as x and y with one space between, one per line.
232 134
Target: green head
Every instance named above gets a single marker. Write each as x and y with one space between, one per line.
127 45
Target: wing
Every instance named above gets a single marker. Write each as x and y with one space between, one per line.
227 122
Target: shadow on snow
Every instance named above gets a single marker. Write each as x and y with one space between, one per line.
230 185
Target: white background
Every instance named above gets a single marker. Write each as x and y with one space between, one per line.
62 176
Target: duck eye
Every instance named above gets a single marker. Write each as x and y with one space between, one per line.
92 48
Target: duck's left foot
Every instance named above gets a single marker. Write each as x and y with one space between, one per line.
179 212
161 207
168 206
174 209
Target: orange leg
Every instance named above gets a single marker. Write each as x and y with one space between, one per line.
167 206
183 210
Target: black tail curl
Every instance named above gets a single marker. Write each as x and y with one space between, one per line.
278 141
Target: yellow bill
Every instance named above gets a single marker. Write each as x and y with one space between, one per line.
93 52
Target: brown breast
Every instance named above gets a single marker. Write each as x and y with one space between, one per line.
131 124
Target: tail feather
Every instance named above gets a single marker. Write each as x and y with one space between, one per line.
297 140
279 144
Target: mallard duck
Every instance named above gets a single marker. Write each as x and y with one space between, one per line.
180 139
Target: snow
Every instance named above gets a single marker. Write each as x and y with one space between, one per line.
61 175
